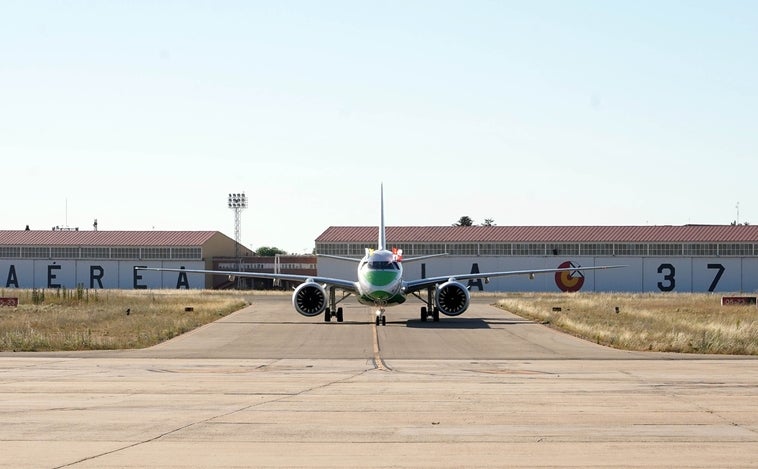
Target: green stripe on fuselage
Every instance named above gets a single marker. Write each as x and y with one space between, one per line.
381 278
381 297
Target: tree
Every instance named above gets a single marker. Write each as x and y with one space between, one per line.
267 251
488 222
464 221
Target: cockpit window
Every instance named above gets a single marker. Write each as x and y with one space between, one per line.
383 265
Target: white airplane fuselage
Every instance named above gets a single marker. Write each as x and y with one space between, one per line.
380 279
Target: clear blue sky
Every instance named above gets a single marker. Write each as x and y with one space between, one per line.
146 114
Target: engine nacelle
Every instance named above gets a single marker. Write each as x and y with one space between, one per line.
452 298
309 299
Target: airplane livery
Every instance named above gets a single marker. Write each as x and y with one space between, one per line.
380 283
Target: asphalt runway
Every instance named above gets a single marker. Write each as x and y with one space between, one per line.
266 387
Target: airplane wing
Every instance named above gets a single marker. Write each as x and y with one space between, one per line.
346 285
420 284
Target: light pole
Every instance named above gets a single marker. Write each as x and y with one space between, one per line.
237 202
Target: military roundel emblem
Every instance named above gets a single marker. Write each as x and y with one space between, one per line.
569 280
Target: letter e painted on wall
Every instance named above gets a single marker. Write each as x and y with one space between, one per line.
137 278
51 276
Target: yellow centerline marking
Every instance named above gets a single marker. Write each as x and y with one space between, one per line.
378 362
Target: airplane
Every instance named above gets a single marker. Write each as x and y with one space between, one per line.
380 283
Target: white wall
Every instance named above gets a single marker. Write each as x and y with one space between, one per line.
96 274
677 274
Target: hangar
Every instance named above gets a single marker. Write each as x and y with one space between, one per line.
106 259
689 258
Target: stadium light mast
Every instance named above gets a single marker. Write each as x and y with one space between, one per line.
237 202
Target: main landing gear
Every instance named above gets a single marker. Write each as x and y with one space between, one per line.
332 310
380 317
329 313
435 314
428 311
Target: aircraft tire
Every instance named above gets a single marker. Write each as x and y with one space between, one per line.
340 317
436 315
327 315
423 314
384 320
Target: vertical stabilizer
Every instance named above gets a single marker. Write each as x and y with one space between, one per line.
382 243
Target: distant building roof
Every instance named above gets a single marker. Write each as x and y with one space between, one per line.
105 238
545 234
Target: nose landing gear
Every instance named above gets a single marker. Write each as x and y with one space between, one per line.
380 317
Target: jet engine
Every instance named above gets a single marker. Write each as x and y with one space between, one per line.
309 299
452 298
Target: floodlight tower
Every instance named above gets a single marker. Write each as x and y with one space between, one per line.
237 202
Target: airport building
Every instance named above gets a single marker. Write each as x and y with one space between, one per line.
690 258
106 259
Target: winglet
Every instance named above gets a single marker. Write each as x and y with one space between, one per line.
382 243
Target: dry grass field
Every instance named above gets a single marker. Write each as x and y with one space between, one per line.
48 320
686 323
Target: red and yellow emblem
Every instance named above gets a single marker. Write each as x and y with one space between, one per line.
569 280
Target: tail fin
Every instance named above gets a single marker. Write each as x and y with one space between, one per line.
382 243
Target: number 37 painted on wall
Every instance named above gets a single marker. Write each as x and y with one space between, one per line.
668 271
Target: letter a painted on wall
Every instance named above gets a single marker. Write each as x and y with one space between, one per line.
12 277
182 281
475 282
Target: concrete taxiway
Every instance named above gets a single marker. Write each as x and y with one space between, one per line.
265 387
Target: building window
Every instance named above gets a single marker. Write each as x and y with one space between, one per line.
358 249
125 253
462 249
665 250
35 252
596 249
186 253
95 253
495 249
10 251
630 249
334 249
700 249
407 248
524 249
735 249
58 252
426 249
563 249
156 253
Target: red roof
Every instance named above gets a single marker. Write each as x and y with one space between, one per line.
105 238
546 234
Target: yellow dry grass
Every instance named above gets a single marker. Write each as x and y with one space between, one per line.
97 319
686 323
52 320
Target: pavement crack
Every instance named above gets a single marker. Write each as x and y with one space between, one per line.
210 419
